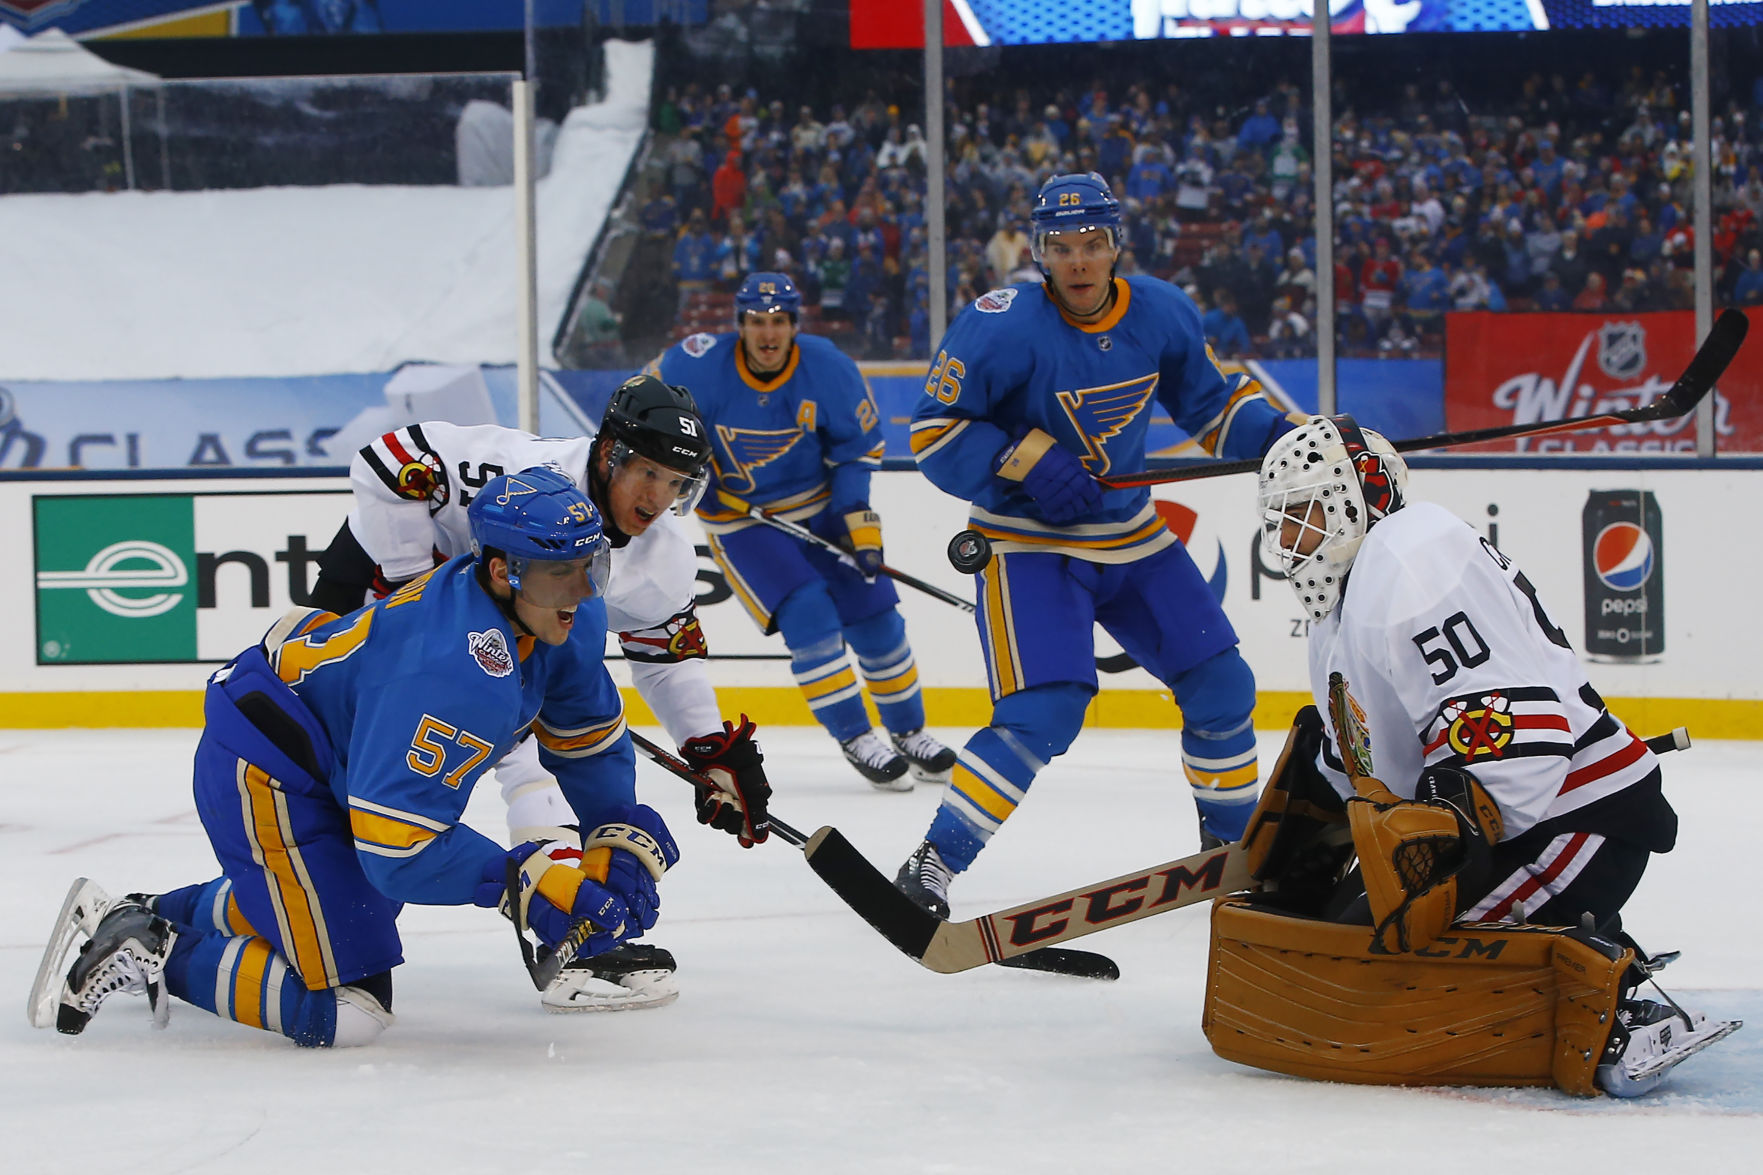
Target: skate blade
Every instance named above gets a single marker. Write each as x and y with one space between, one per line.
85 904
606 996
929 778
1716 1031
903 783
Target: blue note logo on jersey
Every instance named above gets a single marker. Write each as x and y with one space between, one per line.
1098 415
749 449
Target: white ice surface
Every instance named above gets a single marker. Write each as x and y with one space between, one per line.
304 281
802 1042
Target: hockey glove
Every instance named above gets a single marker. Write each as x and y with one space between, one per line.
731 760
628 855
1052 476
863 531
553 897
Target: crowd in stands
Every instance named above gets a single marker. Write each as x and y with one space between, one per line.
1574 196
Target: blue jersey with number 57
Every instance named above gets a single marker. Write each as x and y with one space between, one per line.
1013 361
795 443
423 691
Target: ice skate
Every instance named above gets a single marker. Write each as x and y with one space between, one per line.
623 979
925 879
126 951
1650 1040
929 759
876 761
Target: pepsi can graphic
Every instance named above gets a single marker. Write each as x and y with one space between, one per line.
1624 576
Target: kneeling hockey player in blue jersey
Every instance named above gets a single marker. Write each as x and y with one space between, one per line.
1036 390
336 761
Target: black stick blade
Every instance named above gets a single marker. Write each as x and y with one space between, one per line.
1711 359
1063 961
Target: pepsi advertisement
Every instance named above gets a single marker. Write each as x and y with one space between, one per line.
1624 576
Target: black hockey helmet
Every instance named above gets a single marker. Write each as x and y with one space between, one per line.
659 421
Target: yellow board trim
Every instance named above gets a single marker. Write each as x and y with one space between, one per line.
783 705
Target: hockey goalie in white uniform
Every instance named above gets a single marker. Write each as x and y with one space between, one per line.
644 469
1500 814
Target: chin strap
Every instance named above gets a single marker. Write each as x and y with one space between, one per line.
600 493
1101 312
505 606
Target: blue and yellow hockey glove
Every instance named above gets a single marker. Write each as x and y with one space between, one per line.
1054 477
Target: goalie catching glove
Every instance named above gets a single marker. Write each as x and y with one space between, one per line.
613 888
730 759
1413 853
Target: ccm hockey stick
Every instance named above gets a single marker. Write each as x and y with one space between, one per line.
867 890
1024 931
843 556
1716 351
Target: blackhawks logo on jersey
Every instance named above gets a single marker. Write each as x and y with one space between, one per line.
1478 727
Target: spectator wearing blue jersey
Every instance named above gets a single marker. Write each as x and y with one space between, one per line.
694 256
1225 332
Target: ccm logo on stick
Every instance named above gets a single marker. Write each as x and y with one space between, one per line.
1109 903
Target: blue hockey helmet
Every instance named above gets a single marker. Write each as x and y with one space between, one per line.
1072 204
767 293
540 516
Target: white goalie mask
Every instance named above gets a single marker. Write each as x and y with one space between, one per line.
1323 486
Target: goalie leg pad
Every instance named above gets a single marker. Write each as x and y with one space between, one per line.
1482 1005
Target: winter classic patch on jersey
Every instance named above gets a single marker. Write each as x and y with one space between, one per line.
995 301
696 345
490 651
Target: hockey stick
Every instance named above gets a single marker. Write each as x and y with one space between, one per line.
1026 930
867 890
1711 359
803 533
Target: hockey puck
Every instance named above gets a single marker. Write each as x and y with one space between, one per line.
970 552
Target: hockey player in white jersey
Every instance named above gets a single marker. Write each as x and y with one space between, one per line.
644 469
1455 730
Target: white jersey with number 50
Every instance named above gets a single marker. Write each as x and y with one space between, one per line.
412 487
1449 658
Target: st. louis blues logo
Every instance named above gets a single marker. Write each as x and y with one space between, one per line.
1099 414
514 488
748 449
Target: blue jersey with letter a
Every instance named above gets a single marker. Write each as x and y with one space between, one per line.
423 691
1013 361
804 439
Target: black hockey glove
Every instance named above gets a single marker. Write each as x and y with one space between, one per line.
731 760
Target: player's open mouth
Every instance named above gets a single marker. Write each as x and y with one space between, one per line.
645 516
566 616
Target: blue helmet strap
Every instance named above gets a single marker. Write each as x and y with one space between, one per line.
505 606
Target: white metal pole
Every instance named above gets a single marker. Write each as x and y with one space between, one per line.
526 245
935 213
1702 211
1322 176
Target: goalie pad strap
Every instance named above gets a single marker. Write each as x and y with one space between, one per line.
1485 1004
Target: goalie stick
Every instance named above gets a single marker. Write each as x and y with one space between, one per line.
864 888
1711 359
845 557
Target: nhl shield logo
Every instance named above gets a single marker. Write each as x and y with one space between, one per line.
1622 350
490 651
